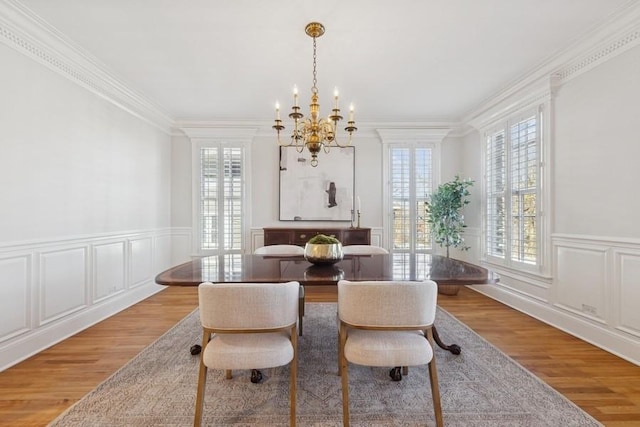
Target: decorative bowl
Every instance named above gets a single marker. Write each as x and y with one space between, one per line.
323 253
324 272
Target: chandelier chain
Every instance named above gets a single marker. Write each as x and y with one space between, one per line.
314 89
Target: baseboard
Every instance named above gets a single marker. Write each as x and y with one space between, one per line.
28 344
592 332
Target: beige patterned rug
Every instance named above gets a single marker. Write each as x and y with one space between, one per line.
480 387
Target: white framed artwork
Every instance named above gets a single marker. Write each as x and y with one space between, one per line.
321 193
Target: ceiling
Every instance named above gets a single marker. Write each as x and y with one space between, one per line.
406 60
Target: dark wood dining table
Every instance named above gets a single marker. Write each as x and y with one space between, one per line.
242 268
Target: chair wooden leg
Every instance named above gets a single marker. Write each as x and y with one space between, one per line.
228 374
405 370
202 381
435 388
341 331
345 378
293 386
300 309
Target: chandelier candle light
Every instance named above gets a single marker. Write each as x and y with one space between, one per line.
315 133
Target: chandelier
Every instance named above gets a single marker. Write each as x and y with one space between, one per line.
314 132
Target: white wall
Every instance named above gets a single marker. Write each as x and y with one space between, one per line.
265 182
181 191
451 159
597 150
96 198
85 206
593 285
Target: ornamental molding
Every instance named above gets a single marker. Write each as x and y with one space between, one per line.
539 93
220 133
619 34
598 56
417 135
26 33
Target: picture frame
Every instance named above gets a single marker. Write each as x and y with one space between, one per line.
321 193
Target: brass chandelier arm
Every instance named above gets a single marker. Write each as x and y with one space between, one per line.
314 133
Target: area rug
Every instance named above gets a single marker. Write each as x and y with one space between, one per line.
480 387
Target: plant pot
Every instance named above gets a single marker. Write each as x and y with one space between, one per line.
324 253
448 289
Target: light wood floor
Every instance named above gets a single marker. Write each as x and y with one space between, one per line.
35 391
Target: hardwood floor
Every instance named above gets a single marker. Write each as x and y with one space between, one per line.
35 391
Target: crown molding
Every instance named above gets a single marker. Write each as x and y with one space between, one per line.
415 135
538 92
608 47
620 32
220 133
263 128
25 32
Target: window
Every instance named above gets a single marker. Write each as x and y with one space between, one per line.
512 184
411 183
221 198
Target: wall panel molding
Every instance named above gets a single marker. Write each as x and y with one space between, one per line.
592 295
580 278
52 289
62 282
109 268
16 288
140 261
626 291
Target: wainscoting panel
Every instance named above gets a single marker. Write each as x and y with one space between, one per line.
109 269
627 291
163 258
594 292
63 283
140 261
181 245
15 290
581 277
52 289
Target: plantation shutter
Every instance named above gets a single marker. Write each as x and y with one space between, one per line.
524 183
411 184
495 170
512 171
221 198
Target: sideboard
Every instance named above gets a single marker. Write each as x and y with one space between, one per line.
300 236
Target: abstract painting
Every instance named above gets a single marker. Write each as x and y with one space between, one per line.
321 193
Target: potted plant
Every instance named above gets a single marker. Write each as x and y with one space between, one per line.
323 249
444 214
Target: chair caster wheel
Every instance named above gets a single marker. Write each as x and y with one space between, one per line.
256 376
396 373
195 349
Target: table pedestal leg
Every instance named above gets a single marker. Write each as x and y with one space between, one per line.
453 348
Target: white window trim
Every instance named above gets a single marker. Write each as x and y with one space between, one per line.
403 138
543 195
197 145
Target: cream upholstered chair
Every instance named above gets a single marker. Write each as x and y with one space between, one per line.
387 323
280 250
363 250
248 326
286 250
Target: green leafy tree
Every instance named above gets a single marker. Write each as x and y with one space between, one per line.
444 213
322 239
